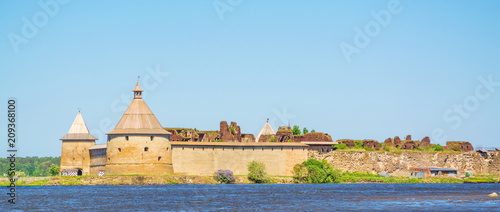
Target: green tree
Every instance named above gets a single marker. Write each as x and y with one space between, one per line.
31 166
54 170
305 131
257 172
318 172
296 130
313 130
272 139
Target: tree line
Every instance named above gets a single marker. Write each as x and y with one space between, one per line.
32 166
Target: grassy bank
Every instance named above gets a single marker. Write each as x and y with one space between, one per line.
130 180
358 177
347 177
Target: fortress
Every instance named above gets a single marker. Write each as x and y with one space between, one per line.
140 145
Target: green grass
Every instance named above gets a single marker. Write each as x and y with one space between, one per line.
359 177
482 179
172 181
24 183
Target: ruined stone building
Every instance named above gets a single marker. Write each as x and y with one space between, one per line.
140 145
231 133
321 142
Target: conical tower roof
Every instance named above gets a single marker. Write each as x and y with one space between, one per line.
78 130
266 130
138 118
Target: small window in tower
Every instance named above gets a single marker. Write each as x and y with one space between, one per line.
167 149
109 159
146 149
159 158
152 137
119 149
126 138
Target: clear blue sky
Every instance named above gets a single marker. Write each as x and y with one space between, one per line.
424 71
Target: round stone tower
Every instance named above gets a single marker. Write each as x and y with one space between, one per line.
138 144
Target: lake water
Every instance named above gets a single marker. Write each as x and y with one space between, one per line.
311 197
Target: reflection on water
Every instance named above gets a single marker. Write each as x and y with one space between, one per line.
354 197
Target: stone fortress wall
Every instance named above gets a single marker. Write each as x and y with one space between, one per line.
204 158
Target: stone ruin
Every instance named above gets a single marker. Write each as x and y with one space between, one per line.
284 134
183 134
388 142
231 133
397 141
313 136
463 146
408 145
425 142
348 142
368 143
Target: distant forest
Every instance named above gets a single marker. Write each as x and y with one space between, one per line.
31 166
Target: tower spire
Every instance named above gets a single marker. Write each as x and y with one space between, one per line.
138 91
78 130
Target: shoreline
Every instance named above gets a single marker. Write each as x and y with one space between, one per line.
210 180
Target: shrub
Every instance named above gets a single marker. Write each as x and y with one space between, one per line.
339 146
54 169
358 144
257 172
300 173
317 172
438 147
272 139
224 176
